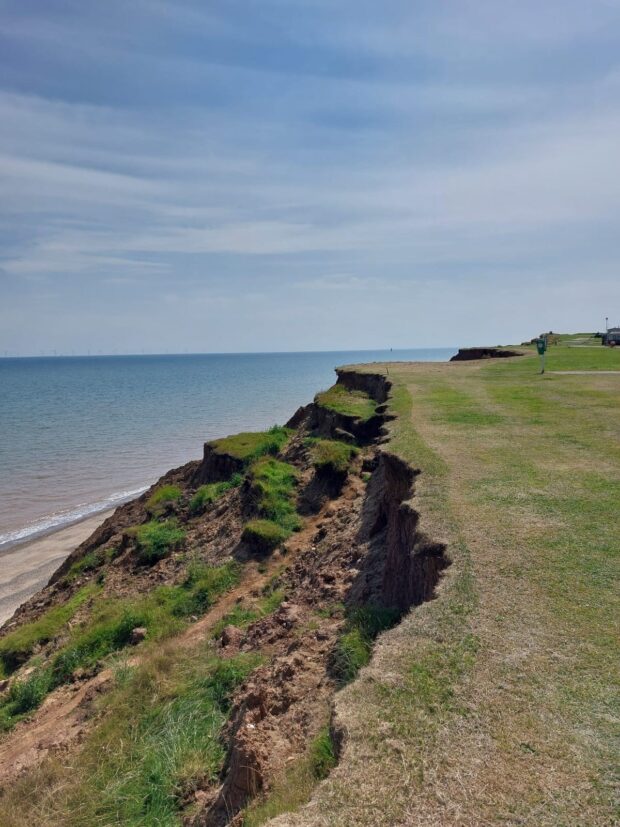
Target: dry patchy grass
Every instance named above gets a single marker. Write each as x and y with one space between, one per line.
496 704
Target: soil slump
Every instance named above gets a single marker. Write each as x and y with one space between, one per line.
360 545
410 563
367 549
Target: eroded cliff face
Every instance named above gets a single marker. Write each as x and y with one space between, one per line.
367 550
412 561
215 466
468 354
376 385
359 547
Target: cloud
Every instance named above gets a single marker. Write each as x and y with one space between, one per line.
292 156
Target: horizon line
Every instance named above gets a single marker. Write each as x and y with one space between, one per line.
7 356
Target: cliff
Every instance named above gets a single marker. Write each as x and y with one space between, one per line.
285 552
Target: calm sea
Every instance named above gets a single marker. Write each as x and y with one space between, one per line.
81 434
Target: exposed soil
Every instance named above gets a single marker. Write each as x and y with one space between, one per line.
359 544
468 354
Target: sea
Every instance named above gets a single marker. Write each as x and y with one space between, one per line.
80 435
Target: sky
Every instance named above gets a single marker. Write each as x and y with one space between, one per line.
311 175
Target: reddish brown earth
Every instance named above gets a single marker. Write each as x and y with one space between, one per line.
358 544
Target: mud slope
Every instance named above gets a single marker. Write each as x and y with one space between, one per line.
356 562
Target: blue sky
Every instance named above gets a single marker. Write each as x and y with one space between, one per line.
317 175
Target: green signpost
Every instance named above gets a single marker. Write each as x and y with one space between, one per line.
541 347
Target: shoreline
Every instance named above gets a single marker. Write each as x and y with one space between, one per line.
27 567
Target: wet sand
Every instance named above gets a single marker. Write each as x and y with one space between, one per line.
26 568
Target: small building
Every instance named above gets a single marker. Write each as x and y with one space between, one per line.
612 337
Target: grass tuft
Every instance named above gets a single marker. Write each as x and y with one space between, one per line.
331 455
24 696
323 756
351 403
208 494
354 647
17 646
162 497
273 485
248 446
155 540
264 535
89 562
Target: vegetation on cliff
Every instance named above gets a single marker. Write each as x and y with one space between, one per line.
331 455
250 679
163 496
211 492
106 629
249 446
349 402
156 539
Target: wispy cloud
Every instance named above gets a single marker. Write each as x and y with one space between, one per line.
292 155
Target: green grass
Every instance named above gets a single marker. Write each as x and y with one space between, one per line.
323 756
162 612
273 486
249 446
354 647
89 562
331 455
161 742
162 497
210 493
456 407
264 535
242 615
351 403
155 540
158 739
17 646
518 473
24 696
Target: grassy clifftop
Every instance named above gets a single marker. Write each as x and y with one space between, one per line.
497 702
183 669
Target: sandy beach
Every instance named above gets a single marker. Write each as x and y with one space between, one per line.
25 569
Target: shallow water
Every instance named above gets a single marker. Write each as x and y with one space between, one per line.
79 434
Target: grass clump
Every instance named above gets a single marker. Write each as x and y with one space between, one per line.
248 446
24 696
108 630
273 485
354 647
155 540
323 756
208 494
159 740
162 497
243 615
331 455
89 562
264 535
201 588
17 646
351 403
161 612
